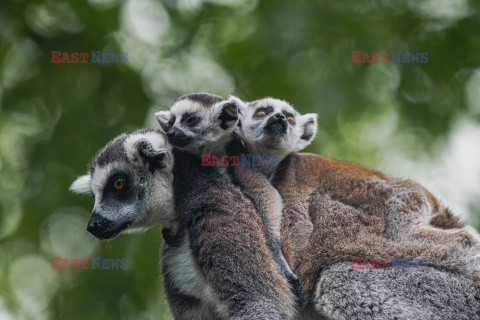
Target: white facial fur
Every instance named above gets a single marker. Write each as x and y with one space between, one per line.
82 185
210 134
150 198
252 130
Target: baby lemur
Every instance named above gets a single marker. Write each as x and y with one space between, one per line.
203 123
336 209
217 266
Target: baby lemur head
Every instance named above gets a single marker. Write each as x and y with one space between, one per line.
131 180
273 127
199 122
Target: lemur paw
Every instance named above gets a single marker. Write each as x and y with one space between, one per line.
291 277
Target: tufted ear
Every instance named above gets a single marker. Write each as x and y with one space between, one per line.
226 113
308 126
242 112
164 118
152 157
242 106
82 185
148 150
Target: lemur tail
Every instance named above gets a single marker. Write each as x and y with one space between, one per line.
443 217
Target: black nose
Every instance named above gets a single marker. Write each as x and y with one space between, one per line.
178 138
171 134
276 124
98 224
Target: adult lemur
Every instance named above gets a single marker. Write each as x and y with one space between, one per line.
338 209
218 265
203 123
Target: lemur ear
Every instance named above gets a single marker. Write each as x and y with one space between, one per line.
148 150
242 106
163 118
81 185
150 156
226 112
242 112
308 126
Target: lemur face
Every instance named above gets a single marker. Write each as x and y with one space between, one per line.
131 180
272 126
197 119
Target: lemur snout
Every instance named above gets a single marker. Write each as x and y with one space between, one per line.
98 224
178 138
172 133
276 124
103 228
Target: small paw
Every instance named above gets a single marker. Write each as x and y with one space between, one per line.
291 277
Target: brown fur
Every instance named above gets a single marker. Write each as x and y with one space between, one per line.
335 210
268 205
446 221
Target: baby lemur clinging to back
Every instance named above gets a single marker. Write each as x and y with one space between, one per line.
337 209
203 123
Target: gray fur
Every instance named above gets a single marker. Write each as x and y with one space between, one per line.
412 294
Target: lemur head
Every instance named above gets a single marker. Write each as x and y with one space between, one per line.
198 121
273 127
131 180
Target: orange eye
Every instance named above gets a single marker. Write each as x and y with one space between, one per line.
291 119
261 113
170 124
118 184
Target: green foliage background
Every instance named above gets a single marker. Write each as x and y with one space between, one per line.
412 120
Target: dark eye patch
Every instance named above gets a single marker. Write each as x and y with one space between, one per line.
190 119
126 192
